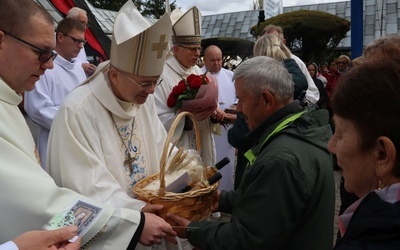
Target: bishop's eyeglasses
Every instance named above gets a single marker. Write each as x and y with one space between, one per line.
145 85
194 49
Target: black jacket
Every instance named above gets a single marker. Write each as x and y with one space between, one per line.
299 79
375 225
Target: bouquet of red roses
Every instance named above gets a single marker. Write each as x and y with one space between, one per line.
196 94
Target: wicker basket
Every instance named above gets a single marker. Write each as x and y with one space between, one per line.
193 205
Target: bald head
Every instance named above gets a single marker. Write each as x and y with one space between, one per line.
213 59
79 15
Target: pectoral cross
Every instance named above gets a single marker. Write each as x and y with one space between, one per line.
128 163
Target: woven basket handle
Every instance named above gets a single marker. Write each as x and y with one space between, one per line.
164 156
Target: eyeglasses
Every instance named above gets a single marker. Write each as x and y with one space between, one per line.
342 62
76 40
194 50
145 85
86 25
44 55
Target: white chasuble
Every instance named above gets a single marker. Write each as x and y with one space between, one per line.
91 138
172 74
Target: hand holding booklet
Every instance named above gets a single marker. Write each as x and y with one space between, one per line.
79 213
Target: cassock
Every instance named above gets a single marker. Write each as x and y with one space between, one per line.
226 98
92 136
29 196
41 104
172 74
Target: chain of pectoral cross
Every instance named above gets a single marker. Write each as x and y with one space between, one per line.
128 158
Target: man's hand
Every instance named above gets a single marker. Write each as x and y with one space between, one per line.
89 68
182 222
231 118
203 114
155 229
52 239
152 208
215 206
219 115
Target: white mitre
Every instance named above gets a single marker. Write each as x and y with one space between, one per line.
186 26
137 46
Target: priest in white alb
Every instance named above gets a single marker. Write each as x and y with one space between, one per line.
42 103
226 99
180 63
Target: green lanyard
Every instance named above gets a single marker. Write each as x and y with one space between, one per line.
251 157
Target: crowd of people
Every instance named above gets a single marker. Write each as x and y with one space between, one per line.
103 130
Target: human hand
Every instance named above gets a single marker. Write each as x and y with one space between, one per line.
231 110
51 239
231 118
152 208
215 205
89 68
155 229
219 115
203 114
182 224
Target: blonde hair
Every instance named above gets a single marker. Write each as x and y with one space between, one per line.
357 61
271 46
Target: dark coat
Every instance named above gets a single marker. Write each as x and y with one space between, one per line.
323 96
236 134
287 194
375 225
299 79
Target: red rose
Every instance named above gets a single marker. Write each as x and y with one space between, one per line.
185 90
171 102
179 89
182 86
191 77
195 82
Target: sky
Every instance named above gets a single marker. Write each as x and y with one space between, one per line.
210 7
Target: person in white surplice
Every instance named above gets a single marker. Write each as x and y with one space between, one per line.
29 196
107 136
81 16
180 63
226 99
41 104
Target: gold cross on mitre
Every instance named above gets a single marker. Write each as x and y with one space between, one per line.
160 46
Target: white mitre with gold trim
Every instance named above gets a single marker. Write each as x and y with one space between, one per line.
186 26
137 46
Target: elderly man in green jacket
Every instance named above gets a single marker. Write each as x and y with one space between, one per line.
286 196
